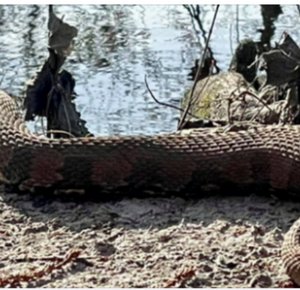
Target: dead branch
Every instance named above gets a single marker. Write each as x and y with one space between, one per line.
242 96
195 15
187 7
258 112
162 103
257 98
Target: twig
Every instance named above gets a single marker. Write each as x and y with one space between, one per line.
195 15
243 99
193 23
257 98
181 278
82 259
194 11
162 103
15 280
241 95
260 109
237 24
181 123
230 38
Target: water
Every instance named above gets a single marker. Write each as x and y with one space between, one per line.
117 46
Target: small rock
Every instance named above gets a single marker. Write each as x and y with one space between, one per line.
202 256
164 238
207 268
105 249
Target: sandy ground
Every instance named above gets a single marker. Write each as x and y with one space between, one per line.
217 241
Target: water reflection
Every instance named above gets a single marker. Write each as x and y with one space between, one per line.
116 47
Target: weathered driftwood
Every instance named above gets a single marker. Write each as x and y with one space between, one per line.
228 97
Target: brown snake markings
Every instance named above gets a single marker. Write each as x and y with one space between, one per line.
264 155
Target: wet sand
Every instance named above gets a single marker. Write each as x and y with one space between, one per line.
217 241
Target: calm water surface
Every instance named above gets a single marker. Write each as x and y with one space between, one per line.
117 46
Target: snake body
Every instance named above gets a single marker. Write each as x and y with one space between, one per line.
266 155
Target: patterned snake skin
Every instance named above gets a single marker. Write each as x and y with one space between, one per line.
268 155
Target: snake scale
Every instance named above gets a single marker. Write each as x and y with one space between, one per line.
266 155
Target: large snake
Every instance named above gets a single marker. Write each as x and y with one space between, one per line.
265 155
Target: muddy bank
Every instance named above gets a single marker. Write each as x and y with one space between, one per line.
217 241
